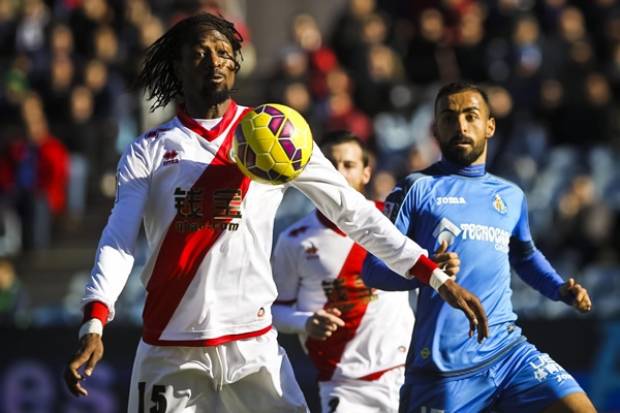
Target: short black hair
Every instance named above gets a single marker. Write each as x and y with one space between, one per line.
338 137
157 73
458 87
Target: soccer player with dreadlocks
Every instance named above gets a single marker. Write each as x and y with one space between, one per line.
207 342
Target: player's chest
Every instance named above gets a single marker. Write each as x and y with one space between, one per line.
325 254
462 212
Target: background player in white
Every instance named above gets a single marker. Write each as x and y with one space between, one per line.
356 337
207 342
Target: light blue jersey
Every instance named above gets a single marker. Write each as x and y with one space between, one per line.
484 219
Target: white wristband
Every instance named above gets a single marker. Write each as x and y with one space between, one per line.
92 326
438 278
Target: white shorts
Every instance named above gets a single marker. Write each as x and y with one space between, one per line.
361 396
252 375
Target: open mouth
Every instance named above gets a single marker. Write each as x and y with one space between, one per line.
218 77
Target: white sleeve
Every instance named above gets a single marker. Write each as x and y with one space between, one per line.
359 219
284 263
114 258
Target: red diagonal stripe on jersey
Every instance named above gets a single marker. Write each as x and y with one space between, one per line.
181 253
352 300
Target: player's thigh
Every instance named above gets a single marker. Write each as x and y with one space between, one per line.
532 381
273 388
471 394
377 396
167 379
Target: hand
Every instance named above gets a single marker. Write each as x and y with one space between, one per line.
582 300
89 353
322 324
459 297
449 262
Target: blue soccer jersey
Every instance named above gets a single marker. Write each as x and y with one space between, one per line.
484 219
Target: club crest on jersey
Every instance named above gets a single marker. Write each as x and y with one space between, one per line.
499 204
170 157
312 252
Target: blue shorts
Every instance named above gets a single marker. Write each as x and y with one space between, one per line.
524 380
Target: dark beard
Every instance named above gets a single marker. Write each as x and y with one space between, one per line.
455 156
216 97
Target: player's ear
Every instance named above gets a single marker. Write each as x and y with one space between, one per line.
490 128
366 174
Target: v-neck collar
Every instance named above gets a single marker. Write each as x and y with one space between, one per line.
208 134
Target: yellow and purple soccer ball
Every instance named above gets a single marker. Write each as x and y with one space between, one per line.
272 144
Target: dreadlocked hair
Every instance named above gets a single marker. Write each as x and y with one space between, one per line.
157 74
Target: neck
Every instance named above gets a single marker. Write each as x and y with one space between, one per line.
202 109
472 170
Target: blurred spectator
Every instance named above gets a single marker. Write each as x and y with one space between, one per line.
424 56
36 171
13 297
583 223
347 36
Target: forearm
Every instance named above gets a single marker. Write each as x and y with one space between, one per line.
287 319
377 275
537 272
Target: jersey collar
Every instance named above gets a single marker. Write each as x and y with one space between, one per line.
208 134
469 170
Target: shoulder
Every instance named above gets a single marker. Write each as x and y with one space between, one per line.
146 145
505 185
406 184
153 136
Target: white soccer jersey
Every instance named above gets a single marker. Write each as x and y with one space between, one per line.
209 229
316 266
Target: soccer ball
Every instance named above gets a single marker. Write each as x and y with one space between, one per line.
272 144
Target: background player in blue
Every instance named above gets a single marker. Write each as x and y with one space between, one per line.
483 219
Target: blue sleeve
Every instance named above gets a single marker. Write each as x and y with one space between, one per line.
399 208
531 264
377 275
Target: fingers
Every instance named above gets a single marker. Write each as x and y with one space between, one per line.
582 299
442 247
462 299
73 377
92 361
451 267
481 318
335 311
324 323
331 316
89 354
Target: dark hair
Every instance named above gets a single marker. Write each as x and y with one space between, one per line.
339 137
157 73
457 87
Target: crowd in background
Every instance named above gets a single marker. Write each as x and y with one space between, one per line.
551 69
